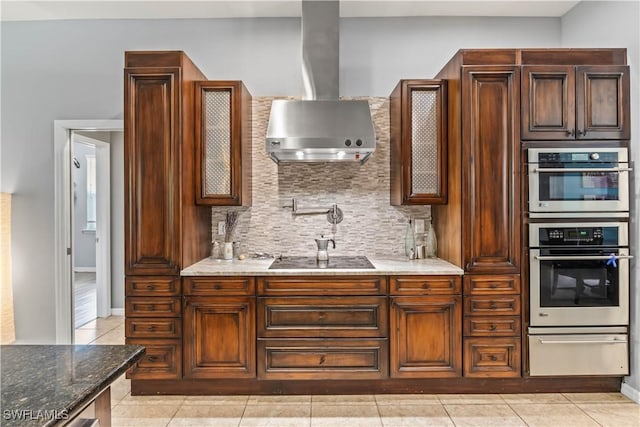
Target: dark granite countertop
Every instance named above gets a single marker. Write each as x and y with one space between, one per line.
40 383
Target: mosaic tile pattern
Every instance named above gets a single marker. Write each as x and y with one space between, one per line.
371 226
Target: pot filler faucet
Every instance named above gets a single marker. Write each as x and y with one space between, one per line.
334 213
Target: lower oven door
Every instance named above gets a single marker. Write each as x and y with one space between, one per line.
589 354
580 287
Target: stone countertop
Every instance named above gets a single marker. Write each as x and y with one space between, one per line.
383 266
43 385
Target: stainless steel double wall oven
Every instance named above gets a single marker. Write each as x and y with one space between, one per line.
579 256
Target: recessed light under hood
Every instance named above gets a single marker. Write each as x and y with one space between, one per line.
321 127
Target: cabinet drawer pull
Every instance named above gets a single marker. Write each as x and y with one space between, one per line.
152 359
493 285
425 286
217 286
151 328
151 307
151 287
493 306
493 357
493 327
323 359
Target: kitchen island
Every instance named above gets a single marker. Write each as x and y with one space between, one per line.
47 385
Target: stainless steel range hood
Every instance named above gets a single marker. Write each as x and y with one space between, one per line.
320 128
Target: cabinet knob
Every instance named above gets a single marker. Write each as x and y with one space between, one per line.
493 357
571 132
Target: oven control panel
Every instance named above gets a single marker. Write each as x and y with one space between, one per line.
571 236
577 157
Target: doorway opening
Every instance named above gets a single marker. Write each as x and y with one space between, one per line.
89 225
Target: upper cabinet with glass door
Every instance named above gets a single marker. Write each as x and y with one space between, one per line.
418 115
566 102
223 143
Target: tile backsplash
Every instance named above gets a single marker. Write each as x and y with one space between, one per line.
371 226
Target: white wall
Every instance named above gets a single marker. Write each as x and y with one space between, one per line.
63 70
617 24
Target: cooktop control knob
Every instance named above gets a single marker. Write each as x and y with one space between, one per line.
358 142
347 143
595 156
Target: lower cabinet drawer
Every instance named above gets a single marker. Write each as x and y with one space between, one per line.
492 326
319 317
152 307
492 357
494 305
162 359
323 359
162 327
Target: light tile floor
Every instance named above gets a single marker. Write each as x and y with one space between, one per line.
403 410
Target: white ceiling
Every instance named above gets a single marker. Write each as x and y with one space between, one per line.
24 10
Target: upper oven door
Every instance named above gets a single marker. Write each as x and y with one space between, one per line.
578 180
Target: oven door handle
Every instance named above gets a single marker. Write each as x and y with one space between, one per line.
582 341
578 258
568 170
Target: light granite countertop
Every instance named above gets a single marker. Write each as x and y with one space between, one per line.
383 266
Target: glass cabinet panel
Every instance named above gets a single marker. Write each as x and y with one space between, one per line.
223 143
418 143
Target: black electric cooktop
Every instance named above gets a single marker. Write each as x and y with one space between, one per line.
308 262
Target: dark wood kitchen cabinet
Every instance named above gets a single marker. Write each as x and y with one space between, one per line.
565 102
418 123
223 143
482 220
492 310
426 327
164 229
219 327
490 169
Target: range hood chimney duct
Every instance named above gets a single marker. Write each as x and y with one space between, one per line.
320 128
321 50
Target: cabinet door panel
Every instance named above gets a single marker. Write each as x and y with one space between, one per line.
223 143
426 337
219 337
152 195
491 206
419 142
548 102
602 100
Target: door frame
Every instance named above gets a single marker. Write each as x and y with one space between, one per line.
62 217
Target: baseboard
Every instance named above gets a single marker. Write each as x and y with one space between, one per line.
630 392
117 311
84 269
